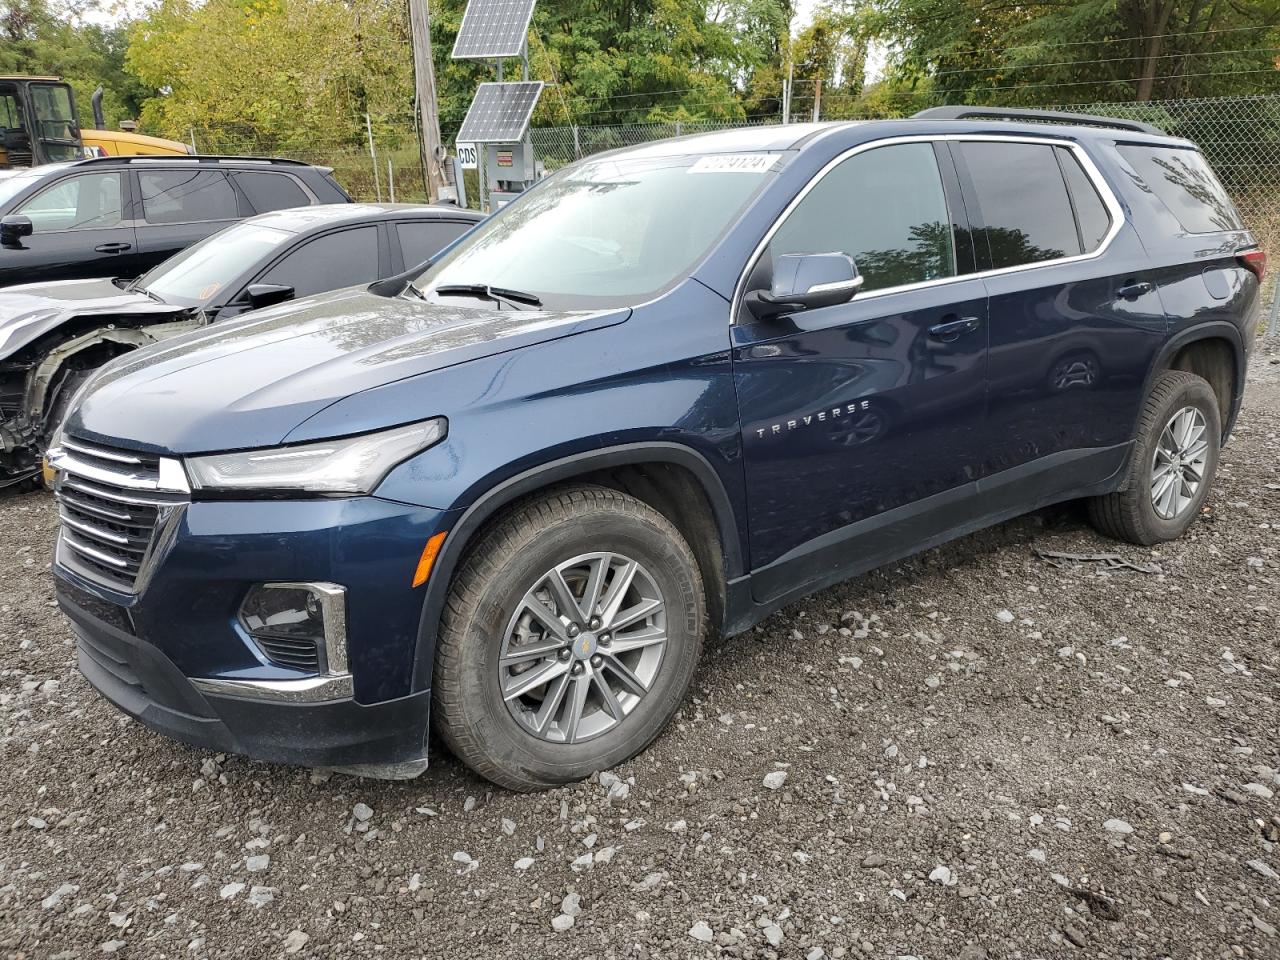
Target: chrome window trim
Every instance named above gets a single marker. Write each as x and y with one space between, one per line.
1086 162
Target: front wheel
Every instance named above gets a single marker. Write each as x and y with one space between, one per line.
1173 462
569 639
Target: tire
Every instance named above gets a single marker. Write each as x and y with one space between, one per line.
1132 513
589 534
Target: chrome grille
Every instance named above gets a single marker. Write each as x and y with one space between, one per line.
110 504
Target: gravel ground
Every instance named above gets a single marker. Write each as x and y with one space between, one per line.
975 753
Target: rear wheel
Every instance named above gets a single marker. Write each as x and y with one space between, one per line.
569 639
1172 464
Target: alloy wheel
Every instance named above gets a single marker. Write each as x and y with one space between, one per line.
583 647
1178 464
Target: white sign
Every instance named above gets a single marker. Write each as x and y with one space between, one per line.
468 155
734 163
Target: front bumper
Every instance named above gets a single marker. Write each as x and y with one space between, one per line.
387 738
175 655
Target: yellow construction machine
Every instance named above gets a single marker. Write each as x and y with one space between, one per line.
39 124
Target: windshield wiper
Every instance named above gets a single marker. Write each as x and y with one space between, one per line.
512 298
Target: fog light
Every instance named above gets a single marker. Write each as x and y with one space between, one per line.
298 625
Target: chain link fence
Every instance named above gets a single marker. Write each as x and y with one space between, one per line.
382 165
1240 137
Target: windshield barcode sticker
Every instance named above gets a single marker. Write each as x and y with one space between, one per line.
734 163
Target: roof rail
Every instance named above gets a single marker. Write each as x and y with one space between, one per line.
1043 116
195 158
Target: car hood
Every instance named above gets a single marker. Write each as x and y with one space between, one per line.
248 382
29 311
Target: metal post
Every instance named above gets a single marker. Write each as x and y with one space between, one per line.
577 147
1273 324
377 184
459 181
192 132
786 89
391 181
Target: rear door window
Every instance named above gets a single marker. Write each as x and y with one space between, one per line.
886 209
1182 181
186 196
336 260
422 239
90 201
1091 212
1023 200
271 191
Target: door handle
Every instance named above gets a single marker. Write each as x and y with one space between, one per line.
1133 289
950 330
112 247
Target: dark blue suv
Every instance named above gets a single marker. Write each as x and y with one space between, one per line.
665 392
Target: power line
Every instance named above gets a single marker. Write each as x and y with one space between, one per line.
1141 36
1074 63
975 89
579 98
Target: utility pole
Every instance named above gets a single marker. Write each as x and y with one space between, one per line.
424 79
817 99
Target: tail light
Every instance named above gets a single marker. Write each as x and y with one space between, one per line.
1255 261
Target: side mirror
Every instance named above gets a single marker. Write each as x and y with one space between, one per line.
805 281
13 228
265 294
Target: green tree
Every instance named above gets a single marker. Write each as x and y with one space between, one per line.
978 51
39 38
275 71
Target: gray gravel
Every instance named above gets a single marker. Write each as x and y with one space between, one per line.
975 753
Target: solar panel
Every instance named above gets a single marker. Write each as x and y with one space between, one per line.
493 28
500 112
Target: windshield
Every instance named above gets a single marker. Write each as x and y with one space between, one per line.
607 232
12 184
194 276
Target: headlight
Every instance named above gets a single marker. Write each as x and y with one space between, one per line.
347 465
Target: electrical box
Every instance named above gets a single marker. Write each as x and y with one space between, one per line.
509 163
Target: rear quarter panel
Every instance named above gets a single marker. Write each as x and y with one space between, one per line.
1203 288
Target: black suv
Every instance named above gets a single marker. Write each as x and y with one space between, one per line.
664 392
120 216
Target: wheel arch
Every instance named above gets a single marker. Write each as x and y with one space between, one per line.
663 474
1205 350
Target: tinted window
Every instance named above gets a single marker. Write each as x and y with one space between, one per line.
421 241
271 191
1182 180
885 208
327 263
1024 202
186 196
200 272
1091 212
86 202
